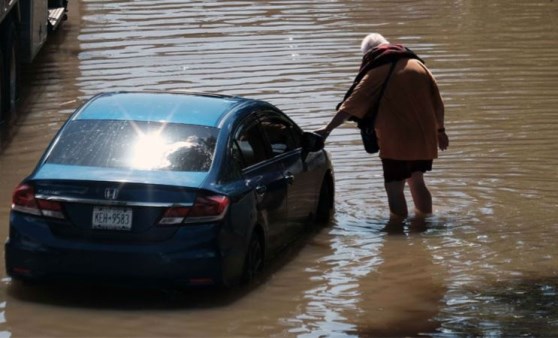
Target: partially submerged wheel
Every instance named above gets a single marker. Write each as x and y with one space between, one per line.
254 261
324 209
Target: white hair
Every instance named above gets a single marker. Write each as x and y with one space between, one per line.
372 40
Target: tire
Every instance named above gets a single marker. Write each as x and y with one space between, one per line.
324 210
254 261
11 76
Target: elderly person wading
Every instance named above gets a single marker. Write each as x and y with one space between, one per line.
409 123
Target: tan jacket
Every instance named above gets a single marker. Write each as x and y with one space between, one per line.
410 112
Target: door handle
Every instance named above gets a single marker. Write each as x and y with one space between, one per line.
289 177
261 189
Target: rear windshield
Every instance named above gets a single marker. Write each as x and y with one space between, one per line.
135 145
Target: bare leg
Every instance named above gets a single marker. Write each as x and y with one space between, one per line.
420 193
396 200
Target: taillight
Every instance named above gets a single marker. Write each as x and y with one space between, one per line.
208 209
205 209
173 216
24 200
50 208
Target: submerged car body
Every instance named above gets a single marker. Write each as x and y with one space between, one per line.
167 188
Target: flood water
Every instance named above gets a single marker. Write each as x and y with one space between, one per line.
487 262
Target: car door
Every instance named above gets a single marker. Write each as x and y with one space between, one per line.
284 138
264 177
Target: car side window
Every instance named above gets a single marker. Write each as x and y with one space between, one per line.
248 147
282 135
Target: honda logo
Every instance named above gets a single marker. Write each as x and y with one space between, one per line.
111 193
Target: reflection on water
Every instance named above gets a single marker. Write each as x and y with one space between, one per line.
486 263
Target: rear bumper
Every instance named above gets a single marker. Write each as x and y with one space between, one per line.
139 269
33 253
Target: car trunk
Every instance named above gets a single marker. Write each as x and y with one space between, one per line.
114 210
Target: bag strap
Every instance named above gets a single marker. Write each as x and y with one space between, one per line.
371 116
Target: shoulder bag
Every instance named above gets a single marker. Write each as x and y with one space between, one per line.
366 124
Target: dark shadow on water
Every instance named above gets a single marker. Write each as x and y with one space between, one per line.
121 298
404 295
524 307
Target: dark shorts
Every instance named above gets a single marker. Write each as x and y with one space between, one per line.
395 170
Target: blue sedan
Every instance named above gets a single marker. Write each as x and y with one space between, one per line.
167 189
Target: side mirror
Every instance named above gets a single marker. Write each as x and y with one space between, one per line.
311 142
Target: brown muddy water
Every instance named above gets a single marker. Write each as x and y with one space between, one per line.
486 264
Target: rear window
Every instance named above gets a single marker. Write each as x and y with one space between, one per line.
135 145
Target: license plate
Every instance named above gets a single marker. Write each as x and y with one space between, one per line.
110 218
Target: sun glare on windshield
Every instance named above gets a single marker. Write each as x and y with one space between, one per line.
149 152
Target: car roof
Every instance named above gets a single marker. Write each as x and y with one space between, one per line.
188 108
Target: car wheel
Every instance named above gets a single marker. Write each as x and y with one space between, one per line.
325 203
254 261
